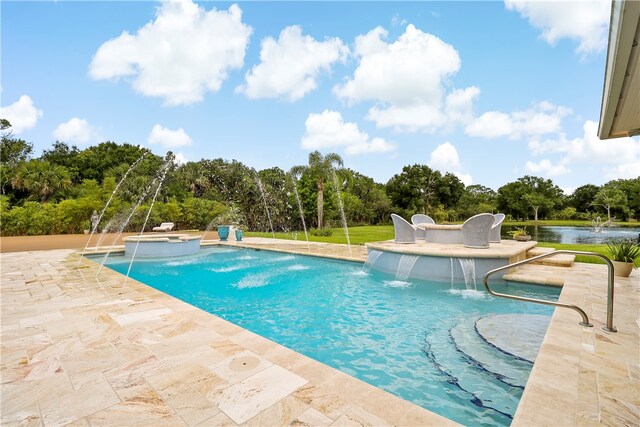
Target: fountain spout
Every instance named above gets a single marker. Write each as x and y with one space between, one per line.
345 226
304 225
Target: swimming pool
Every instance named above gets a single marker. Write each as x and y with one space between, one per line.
415 339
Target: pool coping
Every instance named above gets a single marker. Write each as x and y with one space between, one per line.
581 375
509 249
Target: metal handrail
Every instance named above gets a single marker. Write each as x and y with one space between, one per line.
585 319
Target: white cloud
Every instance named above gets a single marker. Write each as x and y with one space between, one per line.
329 130
624 171
22 114
492 124
459 105
466 178
584 21
376 145
546 168
184 53
614 151
180 159
619 158
398 21
168 138
542 118
588 147
406 79
289 67
75 131
445 159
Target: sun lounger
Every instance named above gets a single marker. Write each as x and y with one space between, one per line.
165 226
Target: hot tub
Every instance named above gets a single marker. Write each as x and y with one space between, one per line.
161 245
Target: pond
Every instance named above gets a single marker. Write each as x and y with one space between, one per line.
583 235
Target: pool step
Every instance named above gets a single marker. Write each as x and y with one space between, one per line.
486 390
516 334
508 369
537 274
560 260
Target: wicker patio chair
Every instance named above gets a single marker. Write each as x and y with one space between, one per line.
404 232
476 231
421 219
494 237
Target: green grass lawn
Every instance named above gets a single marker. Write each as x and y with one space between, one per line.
357 235
376 233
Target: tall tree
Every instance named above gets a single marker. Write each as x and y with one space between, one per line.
193 177
538 200
94 162
320 167
476 199
610 198
631 188
416 188
375 206
528 193
278 198
63 155
582 197
13 152
450 190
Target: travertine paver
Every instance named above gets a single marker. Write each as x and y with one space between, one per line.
84 350
587 376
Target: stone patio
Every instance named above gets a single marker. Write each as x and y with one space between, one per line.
77 350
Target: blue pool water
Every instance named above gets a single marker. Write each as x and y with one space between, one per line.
396 335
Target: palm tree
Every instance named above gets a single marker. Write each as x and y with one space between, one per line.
194 176
320 168
41 178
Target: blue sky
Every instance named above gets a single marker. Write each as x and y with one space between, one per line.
490 91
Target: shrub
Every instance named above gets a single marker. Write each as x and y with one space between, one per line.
72 214
567 213
198 213
31 219
323 232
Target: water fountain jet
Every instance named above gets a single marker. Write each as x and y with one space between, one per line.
304 225
94 226
266 208
345 226
164 170
124 223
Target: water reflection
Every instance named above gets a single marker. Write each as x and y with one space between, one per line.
583 235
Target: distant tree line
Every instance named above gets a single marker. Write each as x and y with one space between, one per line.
58 191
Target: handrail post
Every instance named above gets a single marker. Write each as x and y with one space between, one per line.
585 319
610 291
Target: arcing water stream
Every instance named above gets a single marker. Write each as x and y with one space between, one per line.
94 226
